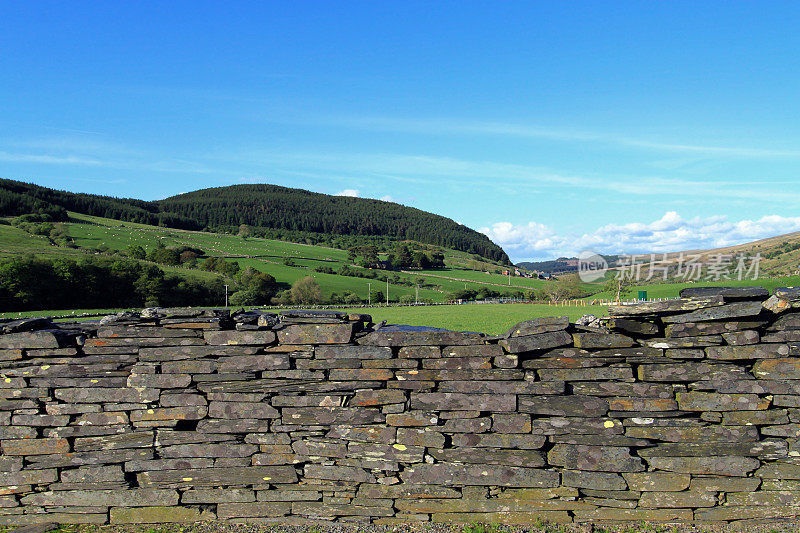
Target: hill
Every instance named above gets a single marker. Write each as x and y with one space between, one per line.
85 250
778 256
280 212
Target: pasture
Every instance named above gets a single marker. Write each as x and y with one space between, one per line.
484 318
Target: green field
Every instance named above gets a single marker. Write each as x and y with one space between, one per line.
484 318
485 277
91 233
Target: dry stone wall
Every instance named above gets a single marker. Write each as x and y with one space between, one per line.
679 411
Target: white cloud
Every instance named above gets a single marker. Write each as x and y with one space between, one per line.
387 198
670 233
354 193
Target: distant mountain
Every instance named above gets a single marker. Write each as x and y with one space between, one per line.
261 206
562 264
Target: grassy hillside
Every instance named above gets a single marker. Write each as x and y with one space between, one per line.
285 261
266 210
780 256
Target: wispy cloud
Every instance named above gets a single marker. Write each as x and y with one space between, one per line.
670 233
444 126
454 172
90 151
353 193
49 159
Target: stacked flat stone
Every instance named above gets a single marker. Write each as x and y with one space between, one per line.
685 410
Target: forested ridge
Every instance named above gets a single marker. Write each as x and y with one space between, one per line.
261 206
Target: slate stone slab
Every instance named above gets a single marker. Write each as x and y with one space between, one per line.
789 321
37 339
563 405
34 446
789 335
473 350
372 398
215 477
225 449
106 498
602 340
160 414
511 423
537 326
603 374
494 440
25 324
227 338
684 342
218 496
741 338
593 480
791 294
316 334
640 390
691 371
694 329
352 352
658 500
759 351
694 434
157 515
28 477
780 368
543 341
722 465
420 338
503 387
460 363
339 473
732 310
665 307
577 426
594 458
657 481
143 332
771 449
177 353
639 405
633 327
464 402
463 474
729 293
254 363
331 416
709 401
241 410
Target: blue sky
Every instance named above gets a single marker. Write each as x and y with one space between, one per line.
553 127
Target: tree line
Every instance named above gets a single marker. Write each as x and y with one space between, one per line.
31 283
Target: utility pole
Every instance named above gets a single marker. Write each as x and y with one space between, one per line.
369 293
226 296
